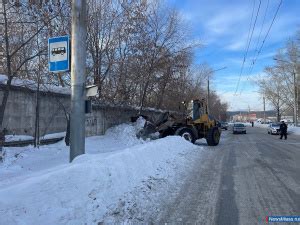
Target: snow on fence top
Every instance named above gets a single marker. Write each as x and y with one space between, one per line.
32 85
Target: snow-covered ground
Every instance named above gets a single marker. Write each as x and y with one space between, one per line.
294 130
291 128
40 186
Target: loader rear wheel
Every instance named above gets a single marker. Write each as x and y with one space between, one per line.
213 137
186 133
165 133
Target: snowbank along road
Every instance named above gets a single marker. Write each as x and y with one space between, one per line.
125 180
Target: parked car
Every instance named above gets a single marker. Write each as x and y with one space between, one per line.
224 125
274 128
239 128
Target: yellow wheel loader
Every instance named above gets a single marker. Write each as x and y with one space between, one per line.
195 124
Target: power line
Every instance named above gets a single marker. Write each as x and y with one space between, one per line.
245 56
256 48
267 33
258 52
248 37
270 27
245 49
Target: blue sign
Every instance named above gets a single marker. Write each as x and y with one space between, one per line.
59 54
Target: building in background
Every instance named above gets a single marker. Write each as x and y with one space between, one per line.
244 117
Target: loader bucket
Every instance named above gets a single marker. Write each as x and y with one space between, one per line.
147 131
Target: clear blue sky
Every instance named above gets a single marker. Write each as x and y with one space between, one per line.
223 28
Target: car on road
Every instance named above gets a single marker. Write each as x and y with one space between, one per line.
274 128
239 128
224 125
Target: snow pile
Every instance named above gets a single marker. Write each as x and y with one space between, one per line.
40 186
83 191
294 130
116 138
127 132
20 163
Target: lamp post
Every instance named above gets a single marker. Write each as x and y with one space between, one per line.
210 72
295 90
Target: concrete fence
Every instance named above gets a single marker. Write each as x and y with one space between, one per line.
20 113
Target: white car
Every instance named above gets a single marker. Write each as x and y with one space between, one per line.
274 128
239 128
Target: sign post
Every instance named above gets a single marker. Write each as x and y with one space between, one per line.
59 54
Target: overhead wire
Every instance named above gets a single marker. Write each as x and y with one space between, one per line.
264 40
245 56
261 29
256 47
246 44
257 43
269 28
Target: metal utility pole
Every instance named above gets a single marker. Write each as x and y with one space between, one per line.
37 98
248 117
207 100
78 61
2 53
37 115
264 100
297 93
207 94
295 97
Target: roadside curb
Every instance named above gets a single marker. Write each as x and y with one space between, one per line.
31 142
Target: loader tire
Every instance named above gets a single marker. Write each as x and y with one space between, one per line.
213 137
165 133
186 133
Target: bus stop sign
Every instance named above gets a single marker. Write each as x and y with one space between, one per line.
59 54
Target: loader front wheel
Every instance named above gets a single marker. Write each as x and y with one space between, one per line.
213 137
186 133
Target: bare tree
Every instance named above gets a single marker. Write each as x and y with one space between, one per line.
101 45
25 27
279 85
272 88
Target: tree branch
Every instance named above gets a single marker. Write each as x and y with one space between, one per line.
26 42
30 58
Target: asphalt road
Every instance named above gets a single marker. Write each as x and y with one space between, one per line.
241 181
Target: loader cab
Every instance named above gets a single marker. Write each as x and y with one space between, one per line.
196 109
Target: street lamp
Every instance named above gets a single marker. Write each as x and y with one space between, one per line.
295 90
210 72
